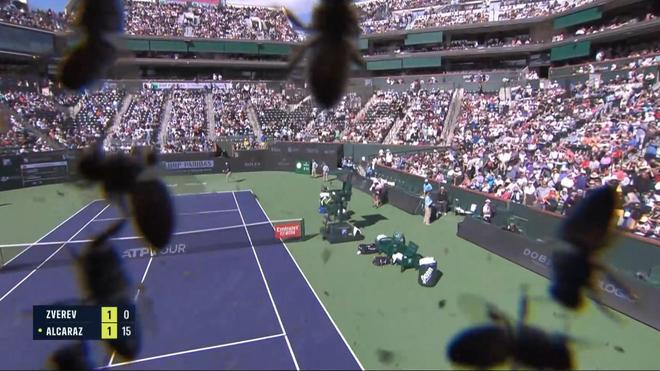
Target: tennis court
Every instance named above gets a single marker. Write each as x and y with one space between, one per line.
225 294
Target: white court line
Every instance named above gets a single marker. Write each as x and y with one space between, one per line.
139 237
180 214
44 236
314 292
193 351
144 276
51 255
211 192
270 295
191 194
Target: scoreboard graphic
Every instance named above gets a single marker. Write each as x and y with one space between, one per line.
78 322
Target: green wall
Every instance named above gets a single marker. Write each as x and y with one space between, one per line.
207 46
572 50
420 62
423 38
386 64
584 16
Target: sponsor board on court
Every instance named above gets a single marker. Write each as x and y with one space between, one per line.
537 257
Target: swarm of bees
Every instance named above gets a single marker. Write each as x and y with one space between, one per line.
499 342
331 49
99 23
103 280
589 230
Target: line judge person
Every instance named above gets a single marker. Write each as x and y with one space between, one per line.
227 171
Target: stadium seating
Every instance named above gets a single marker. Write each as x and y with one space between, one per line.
327 125
425 117
177 19
545 148
188 126
140 125
382 15
386 107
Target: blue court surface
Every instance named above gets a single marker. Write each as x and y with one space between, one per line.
224 295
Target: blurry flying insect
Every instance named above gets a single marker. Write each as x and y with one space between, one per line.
500 342
99 23
589 230
71 357
331 49
127 178
104 281
86 64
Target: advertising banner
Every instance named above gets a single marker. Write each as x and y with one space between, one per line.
248 160
192 163
537 257
288 230
303 167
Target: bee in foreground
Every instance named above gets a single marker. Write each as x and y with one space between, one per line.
500 342
72 357
126 178
99 23
588 230
104 281
331 49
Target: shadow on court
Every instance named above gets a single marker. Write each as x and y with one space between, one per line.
368 220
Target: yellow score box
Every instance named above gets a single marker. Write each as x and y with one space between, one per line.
108 331
109 314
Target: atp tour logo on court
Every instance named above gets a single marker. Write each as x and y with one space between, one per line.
141 252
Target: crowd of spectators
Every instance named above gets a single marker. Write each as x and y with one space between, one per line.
545 148
44 19
613 24
386 107
382 16
15 137
517 9
490 43
191 19
608 59
425 117
195 20
178 19
97 112
231 111
187 130
328 125
140 125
